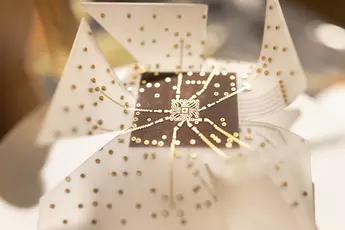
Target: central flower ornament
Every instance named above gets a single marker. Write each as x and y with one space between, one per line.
184 110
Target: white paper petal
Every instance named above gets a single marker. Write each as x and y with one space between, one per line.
152 32
279 76
270 189
75 110
127 188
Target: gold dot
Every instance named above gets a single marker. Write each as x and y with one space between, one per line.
277 167
122 126
73 86
188 34
68 179
153 190
179 197
294 204
166 29
94 221
95 104
108 70
262 144
258 70
102 15
98 161
179 16
91 90
175 46
275 47
80 66
271 7
101 98
183 221
129 40
67 190
284 49
188 46
100 122
141 28
85 49
277 27
109 206
204 16
138 206
266 72
176 34
81 106
129 15
269 59
113 174
266 46
65 221
268 27
284 184
139 173
292 73
145 156
52 206
154 16
82 175
196 188
125 173
142 43
167 55
104 88
123 221
66 109
305 194
95 190
154 215
120 192
203 42
198 206
95 203
90 33
93 66
80 206
113 82
125 158
208 203
153 156
278 73
88 119
154 40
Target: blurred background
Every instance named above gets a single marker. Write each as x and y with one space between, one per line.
36 37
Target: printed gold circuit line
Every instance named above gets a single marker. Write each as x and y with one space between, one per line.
152 123
225 133
223 98
206 141
209 79
172 162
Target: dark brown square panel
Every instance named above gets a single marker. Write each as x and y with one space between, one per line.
158 93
